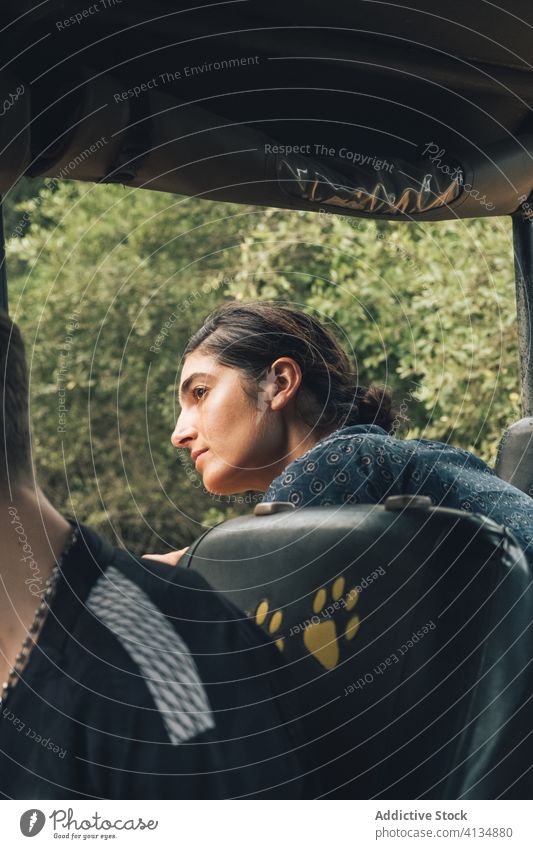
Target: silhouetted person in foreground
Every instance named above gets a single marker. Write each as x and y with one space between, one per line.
123 678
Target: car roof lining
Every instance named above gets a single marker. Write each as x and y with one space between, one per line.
372 78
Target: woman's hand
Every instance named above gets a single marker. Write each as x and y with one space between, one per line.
170 559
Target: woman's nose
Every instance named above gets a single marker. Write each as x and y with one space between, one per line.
183 434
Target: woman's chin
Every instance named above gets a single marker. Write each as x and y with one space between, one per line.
214 485
221 486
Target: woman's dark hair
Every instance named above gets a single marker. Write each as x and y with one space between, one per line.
250 336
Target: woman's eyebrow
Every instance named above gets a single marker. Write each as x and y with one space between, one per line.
185 386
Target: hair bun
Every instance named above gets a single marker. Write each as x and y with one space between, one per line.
374 405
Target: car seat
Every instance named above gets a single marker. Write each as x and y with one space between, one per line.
405 630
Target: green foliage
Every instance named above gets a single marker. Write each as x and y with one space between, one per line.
427 310
107 284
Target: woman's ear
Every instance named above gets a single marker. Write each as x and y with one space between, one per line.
285 378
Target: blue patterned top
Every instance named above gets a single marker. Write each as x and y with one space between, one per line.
363 464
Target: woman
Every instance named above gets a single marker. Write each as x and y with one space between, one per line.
269 402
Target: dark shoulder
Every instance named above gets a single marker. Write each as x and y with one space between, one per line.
175 590
204 618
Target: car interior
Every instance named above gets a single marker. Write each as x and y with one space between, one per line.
367 109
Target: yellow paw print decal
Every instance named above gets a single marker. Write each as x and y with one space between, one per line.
274 625
321 638
320 631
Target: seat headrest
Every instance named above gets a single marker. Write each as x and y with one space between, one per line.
514 463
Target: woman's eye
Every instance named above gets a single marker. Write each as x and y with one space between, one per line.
199 392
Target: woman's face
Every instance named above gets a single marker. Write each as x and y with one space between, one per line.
234 440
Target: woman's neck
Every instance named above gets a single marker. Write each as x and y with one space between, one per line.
303 441
300 438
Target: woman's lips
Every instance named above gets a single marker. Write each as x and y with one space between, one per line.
197 455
